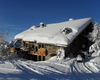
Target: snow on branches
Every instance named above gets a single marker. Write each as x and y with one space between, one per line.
96 39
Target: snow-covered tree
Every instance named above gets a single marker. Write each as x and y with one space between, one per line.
96 39
96 32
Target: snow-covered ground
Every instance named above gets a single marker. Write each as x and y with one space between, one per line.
15 68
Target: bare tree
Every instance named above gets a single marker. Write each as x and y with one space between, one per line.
3 45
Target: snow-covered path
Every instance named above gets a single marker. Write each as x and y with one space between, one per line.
85 71
69 69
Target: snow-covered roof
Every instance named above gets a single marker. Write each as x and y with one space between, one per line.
52 33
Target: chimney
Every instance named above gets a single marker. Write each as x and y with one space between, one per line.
71 19
42 25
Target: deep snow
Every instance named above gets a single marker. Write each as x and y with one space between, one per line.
15 68
53 33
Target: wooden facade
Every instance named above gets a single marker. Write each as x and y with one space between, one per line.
45 51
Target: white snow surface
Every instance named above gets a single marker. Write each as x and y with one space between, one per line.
15 68
51 34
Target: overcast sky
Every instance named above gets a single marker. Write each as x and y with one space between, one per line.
19 15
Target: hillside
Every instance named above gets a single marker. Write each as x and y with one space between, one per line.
15 68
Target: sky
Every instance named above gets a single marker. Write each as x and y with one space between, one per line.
19 15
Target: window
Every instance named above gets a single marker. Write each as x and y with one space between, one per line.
67 30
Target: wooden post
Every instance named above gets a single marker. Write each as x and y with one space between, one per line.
37 58
41 58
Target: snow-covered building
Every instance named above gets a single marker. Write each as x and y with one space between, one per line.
46 39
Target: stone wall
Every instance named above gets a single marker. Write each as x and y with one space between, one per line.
51 50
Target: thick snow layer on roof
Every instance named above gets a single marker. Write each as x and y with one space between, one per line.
52 33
